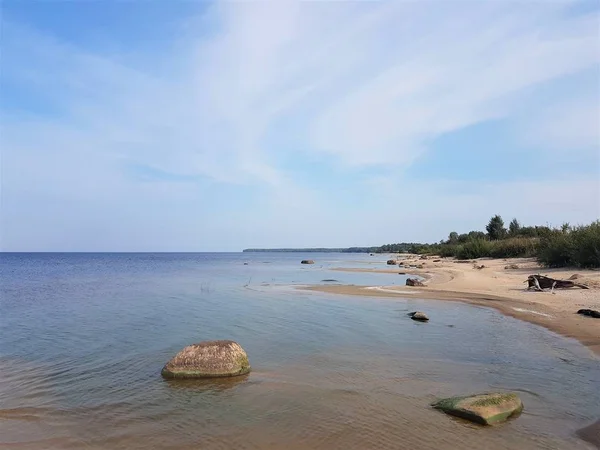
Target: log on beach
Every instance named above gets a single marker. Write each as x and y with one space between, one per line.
540 282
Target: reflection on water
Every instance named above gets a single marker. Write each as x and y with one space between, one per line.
84 339
209 387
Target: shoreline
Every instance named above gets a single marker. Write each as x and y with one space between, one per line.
498 288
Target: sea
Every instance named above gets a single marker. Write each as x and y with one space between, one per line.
83 338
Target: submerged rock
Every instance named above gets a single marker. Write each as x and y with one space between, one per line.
418 315
591 433
414 282
485 409
209 359
307 261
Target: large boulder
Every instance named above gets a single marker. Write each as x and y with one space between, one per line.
414 282
307 261
485 409
419 316
392 262
209 359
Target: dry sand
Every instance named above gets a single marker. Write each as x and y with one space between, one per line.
497 287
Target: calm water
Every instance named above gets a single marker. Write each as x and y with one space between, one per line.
83 338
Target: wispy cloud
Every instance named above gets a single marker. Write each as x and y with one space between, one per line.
356 84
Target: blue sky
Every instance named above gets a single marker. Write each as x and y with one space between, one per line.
216 126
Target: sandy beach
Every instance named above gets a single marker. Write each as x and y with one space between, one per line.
498 287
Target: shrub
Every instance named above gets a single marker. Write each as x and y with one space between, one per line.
477 248
449 250
579 247
586 245
515 248
555 250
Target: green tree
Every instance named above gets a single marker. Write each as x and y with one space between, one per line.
453 238
476 235
514 227
495 228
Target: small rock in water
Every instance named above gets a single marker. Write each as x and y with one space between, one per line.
418 315
208 359
485 409
307 261
414 282
330 280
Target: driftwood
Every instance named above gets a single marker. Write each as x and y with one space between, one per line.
540 282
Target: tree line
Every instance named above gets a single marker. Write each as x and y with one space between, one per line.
567 245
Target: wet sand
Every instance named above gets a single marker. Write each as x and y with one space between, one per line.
497 287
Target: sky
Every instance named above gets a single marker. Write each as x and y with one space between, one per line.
155 125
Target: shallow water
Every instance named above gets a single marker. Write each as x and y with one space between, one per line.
84 338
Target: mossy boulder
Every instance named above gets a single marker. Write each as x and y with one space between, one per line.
209 359
485 409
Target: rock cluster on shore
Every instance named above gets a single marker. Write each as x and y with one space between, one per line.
208 359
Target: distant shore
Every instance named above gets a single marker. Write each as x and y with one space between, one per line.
497 286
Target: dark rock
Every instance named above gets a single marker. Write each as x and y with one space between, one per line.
590 313
392 262
413 282
591 433
307 261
